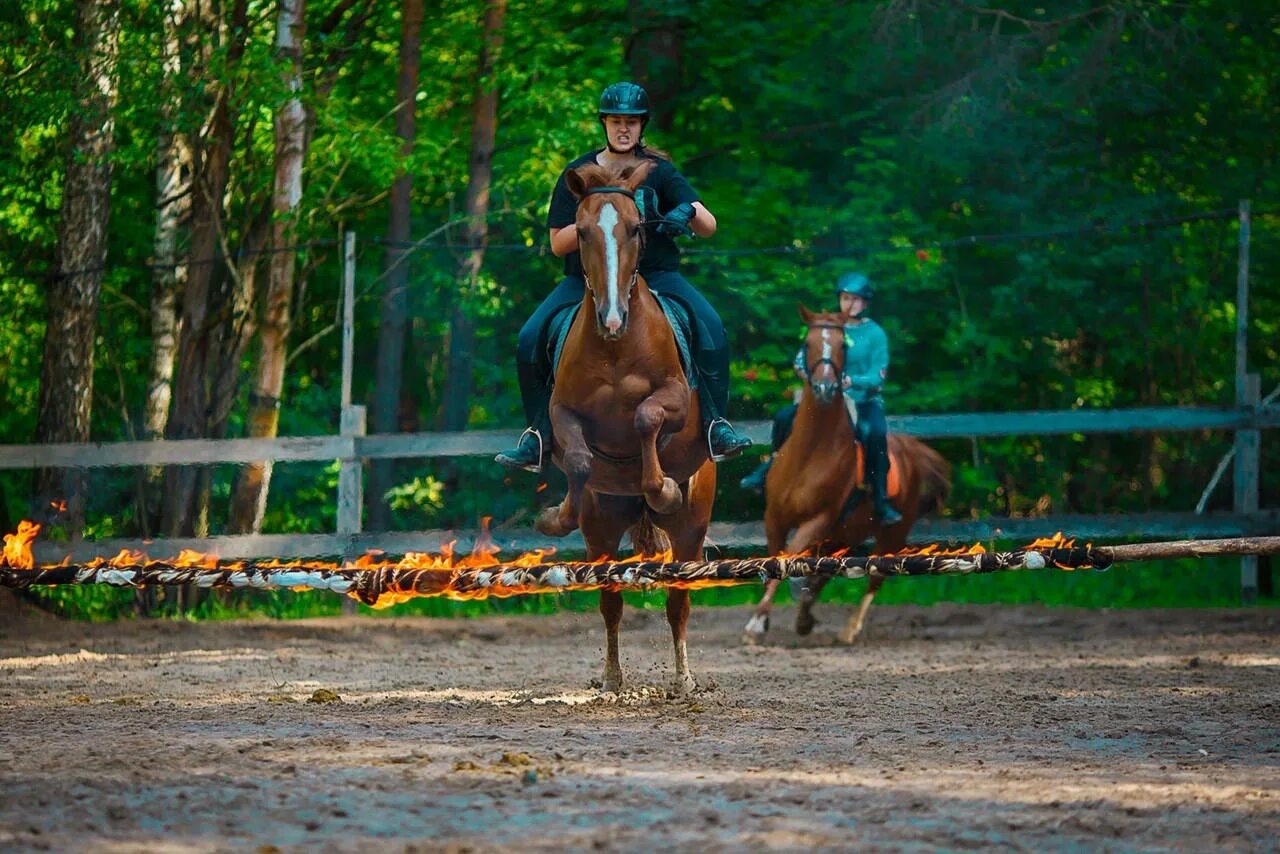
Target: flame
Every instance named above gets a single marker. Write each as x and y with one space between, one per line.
934 550
17 546
1057 541
446 567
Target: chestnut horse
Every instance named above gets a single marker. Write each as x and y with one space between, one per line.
626 427
815 472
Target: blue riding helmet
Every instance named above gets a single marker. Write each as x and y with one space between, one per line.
855 283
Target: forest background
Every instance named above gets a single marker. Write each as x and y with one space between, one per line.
1024 183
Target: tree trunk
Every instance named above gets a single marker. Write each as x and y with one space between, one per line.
249 502
202 317
484 127
654 53
391 332
66 374
173 205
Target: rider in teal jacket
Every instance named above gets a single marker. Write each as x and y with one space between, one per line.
866 366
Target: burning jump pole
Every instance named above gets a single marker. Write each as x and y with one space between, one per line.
383 584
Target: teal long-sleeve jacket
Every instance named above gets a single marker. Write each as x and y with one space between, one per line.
866 361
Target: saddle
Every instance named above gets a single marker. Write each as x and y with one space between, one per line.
677 316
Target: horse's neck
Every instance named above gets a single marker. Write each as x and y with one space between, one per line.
817 423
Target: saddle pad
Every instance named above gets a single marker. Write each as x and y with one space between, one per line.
677 317
893 485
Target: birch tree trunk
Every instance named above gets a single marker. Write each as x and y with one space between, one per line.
249 502
391 331
173 206
66 374
484 128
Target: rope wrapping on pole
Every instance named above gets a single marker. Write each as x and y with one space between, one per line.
387 584
374 586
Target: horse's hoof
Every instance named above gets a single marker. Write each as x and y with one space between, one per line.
805 622
668 499
549 525
682 686
755 629
847 637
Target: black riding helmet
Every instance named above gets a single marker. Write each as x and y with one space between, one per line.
624 99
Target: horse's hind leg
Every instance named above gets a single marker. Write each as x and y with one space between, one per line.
604 520
854 627
805 600
687 531
662 408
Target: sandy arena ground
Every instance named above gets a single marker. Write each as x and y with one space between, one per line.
949 727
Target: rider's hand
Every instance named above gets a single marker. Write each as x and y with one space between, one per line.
676 222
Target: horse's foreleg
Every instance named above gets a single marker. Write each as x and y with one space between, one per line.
776 536
667 407
559 520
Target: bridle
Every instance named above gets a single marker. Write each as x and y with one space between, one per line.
630 194
825 360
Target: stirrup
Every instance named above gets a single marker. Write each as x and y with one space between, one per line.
717 458
536 467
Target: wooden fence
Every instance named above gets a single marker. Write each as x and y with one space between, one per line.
352 448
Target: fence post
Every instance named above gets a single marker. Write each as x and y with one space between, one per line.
1248 462
1248 392
352 419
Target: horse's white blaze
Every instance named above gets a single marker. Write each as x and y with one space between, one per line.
826 345
608 219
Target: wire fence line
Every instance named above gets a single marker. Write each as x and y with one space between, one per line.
427 243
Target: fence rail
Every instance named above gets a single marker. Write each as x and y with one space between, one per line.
724 535
478 442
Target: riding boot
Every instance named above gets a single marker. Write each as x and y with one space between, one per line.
755 481
877 448
536 439
723 441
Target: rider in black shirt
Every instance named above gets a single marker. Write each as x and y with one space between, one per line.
670 208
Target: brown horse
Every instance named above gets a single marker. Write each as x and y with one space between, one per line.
626 427
816 471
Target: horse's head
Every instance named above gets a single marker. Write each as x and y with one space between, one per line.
824 353
610 239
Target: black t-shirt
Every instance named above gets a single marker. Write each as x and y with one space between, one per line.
660 250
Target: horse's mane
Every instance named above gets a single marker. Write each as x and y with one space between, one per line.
827 318
595 175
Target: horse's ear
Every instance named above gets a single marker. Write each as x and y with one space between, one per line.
633 176
805 314
576 183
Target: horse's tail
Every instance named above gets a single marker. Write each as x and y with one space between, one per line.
647 538
933 472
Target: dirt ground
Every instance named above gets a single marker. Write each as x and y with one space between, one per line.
949 727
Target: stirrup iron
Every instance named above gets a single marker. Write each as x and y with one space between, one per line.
711 451
536 468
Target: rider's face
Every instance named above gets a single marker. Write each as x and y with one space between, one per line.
623 132
852 305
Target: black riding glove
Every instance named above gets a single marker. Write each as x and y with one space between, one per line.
676 222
